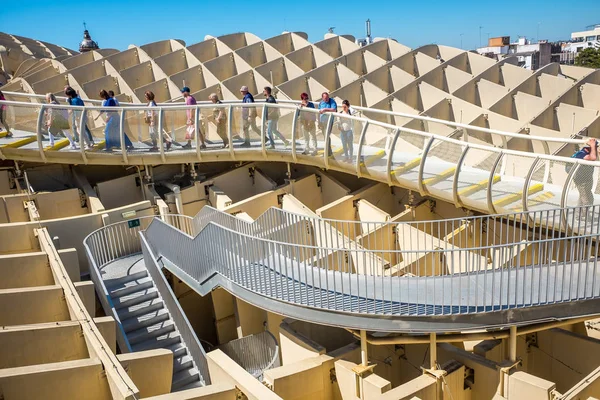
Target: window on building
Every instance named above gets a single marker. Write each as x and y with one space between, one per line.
590 38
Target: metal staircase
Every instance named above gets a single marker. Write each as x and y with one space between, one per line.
147 323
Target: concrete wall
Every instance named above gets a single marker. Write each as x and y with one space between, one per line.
151 370
120 191
32 305
220 391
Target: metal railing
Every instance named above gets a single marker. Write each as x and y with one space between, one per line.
472 175
255 353
104 246
520 263
189 338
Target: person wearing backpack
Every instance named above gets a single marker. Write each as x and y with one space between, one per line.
273 118
73 99
248 116
584 176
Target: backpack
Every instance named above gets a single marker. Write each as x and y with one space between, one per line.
581 153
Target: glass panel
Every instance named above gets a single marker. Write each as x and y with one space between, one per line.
507 195
60 129
21 121
345 133
375 151
246 129
306 133
141 127
213 123
406 158
178 128
583 193
96 122
278 128
474 177
440 166
552 175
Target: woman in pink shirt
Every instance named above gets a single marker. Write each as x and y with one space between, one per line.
3 116
190 129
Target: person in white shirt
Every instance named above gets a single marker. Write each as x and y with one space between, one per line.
346 127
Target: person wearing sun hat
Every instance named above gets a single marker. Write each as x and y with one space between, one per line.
248 116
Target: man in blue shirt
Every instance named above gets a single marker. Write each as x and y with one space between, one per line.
326 105
248 116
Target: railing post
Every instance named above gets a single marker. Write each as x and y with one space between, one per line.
230 131
122 135
197 132
294 127
527 182
40 120
391 156
422 188
263 129
161 136
457 201
363 132
328 148
490 203
82 131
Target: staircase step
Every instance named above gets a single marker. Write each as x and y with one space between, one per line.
158 342
184 378
178 349
196 384
132 287
181 363
114 284
148 319
149 332
136 298
140 309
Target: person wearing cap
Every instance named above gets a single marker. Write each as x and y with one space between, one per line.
189 132
248 116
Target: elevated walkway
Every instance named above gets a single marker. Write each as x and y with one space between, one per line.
462 169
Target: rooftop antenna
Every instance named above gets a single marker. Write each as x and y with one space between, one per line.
368 26
330 30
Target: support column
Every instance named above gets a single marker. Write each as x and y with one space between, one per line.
512 344
364 357
433 351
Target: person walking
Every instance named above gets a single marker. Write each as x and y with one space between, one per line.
190 125
57 121
73 99
347 130
307 121
327 105
248 116
584 176
111 130
3 111
219 117
151 119
273 119
112 96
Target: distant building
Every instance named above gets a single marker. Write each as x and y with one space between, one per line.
530 55
579 41
87 44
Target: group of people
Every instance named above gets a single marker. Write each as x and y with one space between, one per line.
59 121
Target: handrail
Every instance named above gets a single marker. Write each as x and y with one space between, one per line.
403 168
303 263
121 239
287 103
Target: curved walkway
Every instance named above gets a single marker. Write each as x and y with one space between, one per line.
463 169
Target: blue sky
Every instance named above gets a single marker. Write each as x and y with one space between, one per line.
117 24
